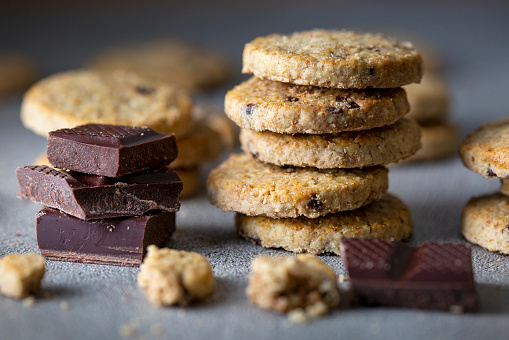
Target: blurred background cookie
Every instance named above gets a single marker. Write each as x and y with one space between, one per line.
17 72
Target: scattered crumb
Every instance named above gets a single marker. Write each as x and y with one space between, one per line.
298 316
64 305
341 278
127 331
455 309
29 301
17 234
21 274
224 275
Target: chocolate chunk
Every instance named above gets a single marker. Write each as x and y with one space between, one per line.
334 109
91 197
315 203
490 173
292 99
371 71
110 150
145 90
255 155
249 109
340 99
115 241
431 276
352 105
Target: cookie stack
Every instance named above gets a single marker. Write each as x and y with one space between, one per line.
486 152
322 115
114 199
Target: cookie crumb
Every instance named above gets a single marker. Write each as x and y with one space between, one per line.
17 234
21 274
29 301
341 278
64 305
298 316
455 309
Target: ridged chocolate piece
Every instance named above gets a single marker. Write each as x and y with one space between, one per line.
431 276
110 150
115 241
92 197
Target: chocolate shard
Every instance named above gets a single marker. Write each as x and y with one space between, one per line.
114 241
110 150
431 276
92 197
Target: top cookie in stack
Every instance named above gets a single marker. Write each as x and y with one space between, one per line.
329 103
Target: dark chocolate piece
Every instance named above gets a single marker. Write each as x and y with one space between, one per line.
431 276
91 197
115 241
110 150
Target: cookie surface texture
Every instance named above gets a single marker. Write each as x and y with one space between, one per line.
327 58
265 105
388 218
76 98
429 100
437 141
486 150
484 222
378 146
245 185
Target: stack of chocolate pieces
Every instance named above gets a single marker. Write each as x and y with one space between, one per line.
320 119
109 195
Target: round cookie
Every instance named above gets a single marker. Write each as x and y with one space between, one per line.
17 72
245 185
429 100
176 62
80 97
484 222
219 122
388 218
266 105
437 141
486 150
383 145
327 58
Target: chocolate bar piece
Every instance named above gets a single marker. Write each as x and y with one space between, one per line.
91 197
115 241
431 276
110 150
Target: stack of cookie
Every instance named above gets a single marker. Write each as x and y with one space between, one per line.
486 152
114 199
321 117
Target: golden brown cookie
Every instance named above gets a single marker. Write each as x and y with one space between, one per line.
266 105
327 58
291 283
388 218
484 222
191 180
358 149
429 100
183 64
17 72
80 97
218 121
21 274
437 141
486 150
251 187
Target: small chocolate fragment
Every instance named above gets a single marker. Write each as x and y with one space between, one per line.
431 276
91 197
114 241
110 150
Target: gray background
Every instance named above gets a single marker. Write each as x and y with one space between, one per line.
473 41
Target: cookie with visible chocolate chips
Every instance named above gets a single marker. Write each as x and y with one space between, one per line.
80 97
484 222
383 145
388 218
486 150
265 105
328 58
245 185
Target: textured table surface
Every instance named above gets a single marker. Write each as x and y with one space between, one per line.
104 302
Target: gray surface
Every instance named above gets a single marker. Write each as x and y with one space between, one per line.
103 298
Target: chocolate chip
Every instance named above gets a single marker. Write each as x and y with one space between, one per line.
352 105
371 71
255 155
334 109
490 173
288 168
292 99
145 90
315 204
249 109
340 99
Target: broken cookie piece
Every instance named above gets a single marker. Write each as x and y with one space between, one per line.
289 284
173 277
21 274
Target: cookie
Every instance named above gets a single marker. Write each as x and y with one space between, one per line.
183 64
266 105
190 179
21 274
218 121
17 72
388 218
484 222
80 97
486 150
359 149
173 277
504 188
245 185
327 58
292 283
429 100
437 141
